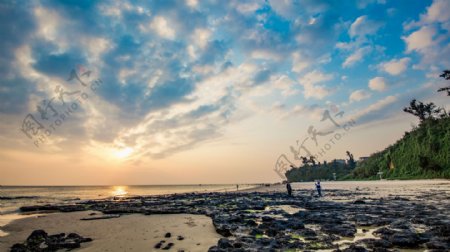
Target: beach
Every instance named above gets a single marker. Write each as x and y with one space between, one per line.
351 215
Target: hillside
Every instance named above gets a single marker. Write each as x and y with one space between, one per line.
422 153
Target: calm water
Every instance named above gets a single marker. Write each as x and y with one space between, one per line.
13 197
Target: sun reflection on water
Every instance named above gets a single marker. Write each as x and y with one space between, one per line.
119 191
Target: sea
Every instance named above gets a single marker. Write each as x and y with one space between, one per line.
14 197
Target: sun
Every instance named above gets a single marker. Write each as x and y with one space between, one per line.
123 152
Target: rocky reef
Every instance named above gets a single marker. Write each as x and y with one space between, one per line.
273 221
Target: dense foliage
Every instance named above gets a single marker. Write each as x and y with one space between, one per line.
422 153
320 171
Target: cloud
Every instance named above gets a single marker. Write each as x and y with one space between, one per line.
378 84
421 39
285 84
309 82
300 62
265 54
162 26
438 11
364 114
357 56
362 4
201 37
359 95
363 26
395 67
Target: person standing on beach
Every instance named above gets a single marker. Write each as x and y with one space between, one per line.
319 188
237 187
289 188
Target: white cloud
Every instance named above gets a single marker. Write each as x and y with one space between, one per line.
248 7
420 39
285 84
309 82
299 62
375 107
201 37
192 3
395 67
363 26
265 54
438 11
358 55
283 7
161 26
359 95
378 84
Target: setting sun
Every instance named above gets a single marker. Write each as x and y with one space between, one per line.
123 153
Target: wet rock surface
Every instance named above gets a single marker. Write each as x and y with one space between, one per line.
39 240
259 221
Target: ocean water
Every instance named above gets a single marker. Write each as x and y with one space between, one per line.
13 197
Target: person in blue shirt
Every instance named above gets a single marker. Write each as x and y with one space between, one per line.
319 188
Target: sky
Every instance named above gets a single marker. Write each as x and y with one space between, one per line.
189 92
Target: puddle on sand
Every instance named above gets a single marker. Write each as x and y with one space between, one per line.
287 208
5 219
360 234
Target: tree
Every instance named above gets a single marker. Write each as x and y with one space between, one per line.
445 75
424 111
351 161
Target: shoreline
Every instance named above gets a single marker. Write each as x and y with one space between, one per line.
255 203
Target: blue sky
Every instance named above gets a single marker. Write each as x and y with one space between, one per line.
183 78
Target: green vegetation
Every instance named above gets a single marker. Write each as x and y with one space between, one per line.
319 171
422 153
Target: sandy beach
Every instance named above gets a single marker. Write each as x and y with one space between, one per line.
133 232
139 232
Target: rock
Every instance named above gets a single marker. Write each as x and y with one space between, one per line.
39 240
168 246
168 235
105 216
405 239
224 243
437 244
223 230
345 230
18 247
180 238
158 245
359 202
37 237
355 248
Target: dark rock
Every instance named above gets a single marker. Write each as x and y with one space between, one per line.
168 235
168 246
354 248
224 243
437 244
180 238
359 202
158 245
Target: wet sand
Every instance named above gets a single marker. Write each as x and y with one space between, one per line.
134 232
